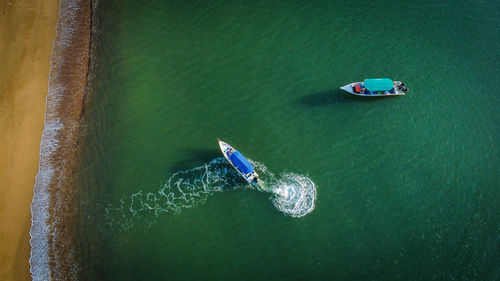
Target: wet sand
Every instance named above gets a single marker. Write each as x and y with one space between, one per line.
27 29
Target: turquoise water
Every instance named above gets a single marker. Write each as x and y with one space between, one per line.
406 187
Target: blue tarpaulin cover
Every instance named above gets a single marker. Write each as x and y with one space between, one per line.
241 162
380 84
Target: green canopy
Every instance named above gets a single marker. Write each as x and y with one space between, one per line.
379 84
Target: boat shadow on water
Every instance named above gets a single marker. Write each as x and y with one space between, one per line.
332 97
195 158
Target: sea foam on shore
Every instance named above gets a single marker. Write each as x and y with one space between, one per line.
52 254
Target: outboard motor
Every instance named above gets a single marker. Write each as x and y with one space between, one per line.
403 87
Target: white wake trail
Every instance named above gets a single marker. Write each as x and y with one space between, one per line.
183 190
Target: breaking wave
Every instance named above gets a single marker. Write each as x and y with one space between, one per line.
292 194
52 255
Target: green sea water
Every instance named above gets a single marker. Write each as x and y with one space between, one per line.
407 188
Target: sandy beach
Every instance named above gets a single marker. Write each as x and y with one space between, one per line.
27 29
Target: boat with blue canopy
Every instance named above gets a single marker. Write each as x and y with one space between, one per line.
239 162
376 87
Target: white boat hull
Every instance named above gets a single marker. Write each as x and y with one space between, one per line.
251 177
350 89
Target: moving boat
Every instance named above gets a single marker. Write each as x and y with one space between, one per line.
239 162
376 88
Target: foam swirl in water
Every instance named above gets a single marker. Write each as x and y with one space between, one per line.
292 194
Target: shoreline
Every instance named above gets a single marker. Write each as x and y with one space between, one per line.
53 208
29 28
